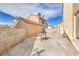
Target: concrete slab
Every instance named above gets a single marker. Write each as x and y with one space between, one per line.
56 45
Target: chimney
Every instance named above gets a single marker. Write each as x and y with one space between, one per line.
43 16
39 14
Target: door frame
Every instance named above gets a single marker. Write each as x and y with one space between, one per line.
75 36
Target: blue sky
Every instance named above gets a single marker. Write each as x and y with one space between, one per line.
6 18
52 12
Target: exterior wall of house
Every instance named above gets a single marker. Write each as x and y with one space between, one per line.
68 19
31 28
34 18
69 10
37 19
77 25
60 29
21 24
76 8
34 29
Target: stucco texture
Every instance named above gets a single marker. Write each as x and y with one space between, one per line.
68 19
9 37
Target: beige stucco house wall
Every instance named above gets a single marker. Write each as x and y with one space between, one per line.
60 29
31 27
34 29
68 19
76 12
71 22
37 19
34 18
77 25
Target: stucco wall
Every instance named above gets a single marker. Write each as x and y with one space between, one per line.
68 19
76 41
77 25
9 37
68 16
75 7
34 18
21 24
37 19
31 28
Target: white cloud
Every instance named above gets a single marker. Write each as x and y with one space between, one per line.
51 13
3 23
20 9
24 10
54 5
14 20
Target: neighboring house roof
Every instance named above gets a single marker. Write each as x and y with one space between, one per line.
4 26
32 21
40 18
27 21
32 15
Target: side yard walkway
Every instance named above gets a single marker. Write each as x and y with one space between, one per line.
54 45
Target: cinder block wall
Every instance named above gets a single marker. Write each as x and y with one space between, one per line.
9 37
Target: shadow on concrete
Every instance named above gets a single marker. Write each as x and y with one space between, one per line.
45 38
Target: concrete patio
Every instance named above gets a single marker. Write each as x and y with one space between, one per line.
55 45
